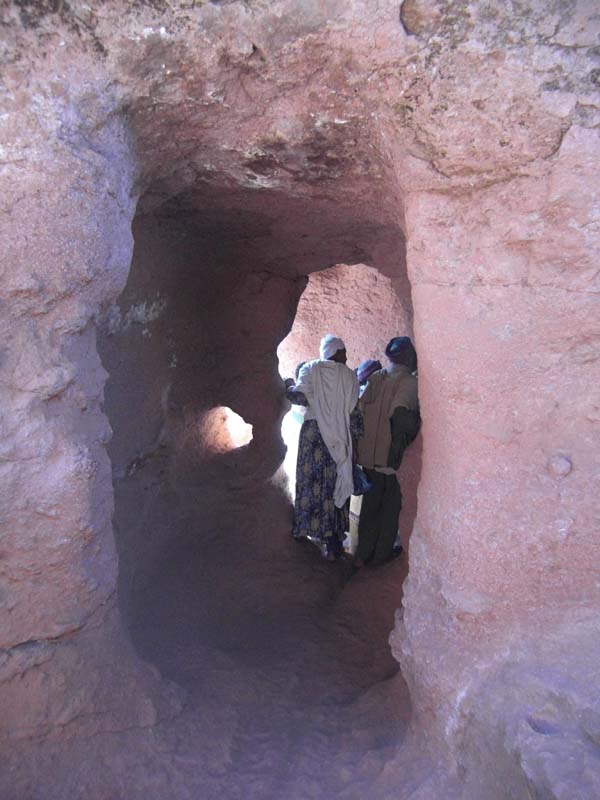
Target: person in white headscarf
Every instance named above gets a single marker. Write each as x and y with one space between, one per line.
329 390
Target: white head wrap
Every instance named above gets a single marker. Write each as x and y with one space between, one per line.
330 345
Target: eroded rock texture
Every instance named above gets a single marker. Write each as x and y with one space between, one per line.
362 305
256 143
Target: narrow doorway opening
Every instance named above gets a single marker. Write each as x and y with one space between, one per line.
362 306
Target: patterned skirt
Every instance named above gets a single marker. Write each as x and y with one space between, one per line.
315 513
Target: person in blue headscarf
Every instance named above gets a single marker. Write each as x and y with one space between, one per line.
364 372
390 408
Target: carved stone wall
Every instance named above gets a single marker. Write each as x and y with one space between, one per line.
256 143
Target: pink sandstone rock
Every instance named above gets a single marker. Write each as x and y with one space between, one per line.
171 173
355 302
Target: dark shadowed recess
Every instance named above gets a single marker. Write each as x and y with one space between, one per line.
207 564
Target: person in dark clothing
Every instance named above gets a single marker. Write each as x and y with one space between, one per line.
390 409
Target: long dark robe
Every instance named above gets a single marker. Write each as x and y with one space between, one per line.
315 513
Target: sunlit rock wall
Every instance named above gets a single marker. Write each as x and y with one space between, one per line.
355 302
502 255
65 667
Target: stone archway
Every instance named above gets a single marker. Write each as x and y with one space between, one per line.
366 308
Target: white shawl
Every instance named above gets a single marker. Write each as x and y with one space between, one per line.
332 393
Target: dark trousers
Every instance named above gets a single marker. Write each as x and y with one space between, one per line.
378 521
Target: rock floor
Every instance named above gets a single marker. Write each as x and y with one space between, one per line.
297 699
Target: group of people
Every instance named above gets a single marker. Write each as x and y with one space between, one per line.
357 425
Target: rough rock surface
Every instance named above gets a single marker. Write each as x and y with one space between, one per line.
275 139
356 302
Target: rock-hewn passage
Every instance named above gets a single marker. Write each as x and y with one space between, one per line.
171 175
